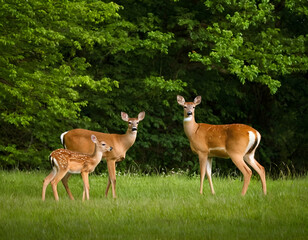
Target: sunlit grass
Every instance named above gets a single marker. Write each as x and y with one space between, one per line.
153 207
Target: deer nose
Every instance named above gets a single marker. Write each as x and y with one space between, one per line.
189 113
134 129
110 149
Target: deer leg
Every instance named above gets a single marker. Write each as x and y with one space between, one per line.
86 187
259 169
112 177
202 162
65 184
47 180
60 174
241 165
209 173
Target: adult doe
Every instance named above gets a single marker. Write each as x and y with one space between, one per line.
236 141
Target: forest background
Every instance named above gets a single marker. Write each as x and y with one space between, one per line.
78 64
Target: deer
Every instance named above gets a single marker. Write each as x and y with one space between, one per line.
64 161
236 141
78 140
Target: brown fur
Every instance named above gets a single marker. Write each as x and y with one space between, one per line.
78 140
65 161
224 141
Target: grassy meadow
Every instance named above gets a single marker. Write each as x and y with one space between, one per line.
153 207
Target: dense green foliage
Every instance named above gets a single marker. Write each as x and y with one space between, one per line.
153 207
78 64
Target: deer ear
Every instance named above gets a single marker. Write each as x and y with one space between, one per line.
124 116
197 100
180 100
141 116
93 138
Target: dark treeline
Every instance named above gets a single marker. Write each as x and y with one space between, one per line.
78 64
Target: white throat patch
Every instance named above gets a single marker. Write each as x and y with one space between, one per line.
187 119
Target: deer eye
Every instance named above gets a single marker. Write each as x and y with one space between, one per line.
137 122
129 122
104 144
185 107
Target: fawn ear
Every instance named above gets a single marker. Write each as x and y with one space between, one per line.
197 100
141 116
93 138
124 116
180 100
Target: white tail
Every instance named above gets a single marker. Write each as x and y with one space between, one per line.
235 141
78 140
65 161
62 139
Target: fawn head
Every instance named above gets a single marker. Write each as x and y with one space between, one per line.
102 146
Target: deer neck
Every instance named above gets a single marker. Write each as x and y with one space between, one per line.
97 155
190 126
128 139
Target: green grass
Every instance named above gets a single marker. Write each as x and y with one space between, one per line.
153 207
